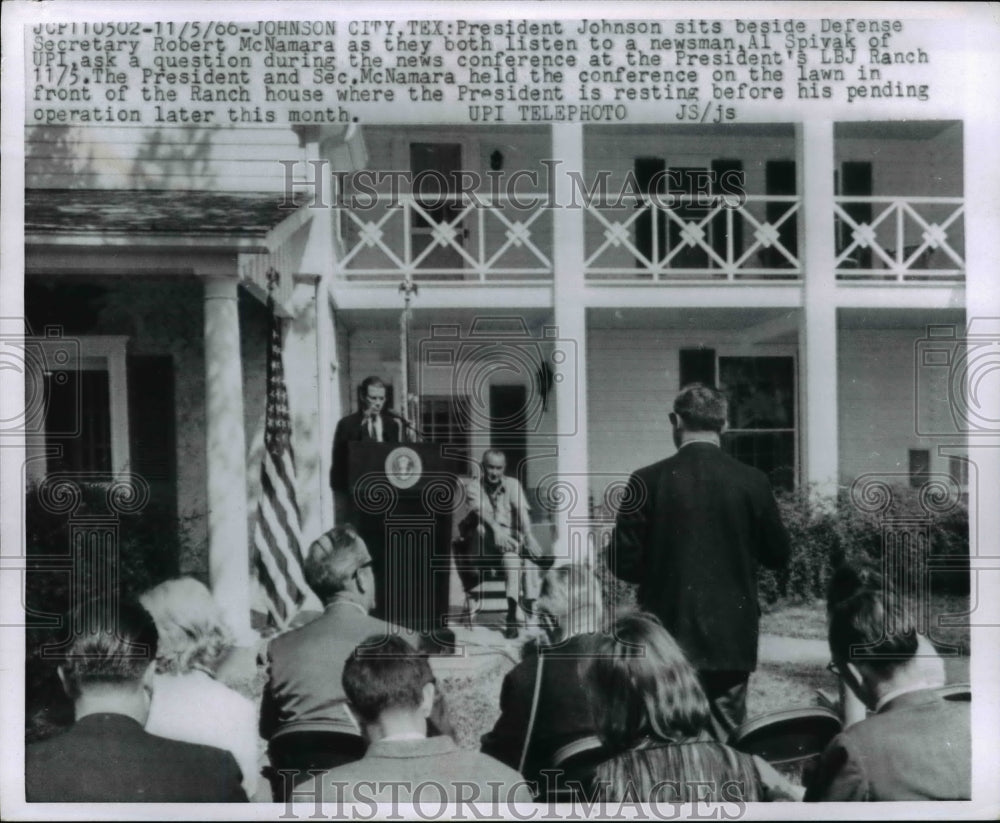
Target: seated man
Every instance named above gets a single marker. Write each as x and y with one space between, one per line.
916 744
303 711
106 756
528 732
497 528
392 689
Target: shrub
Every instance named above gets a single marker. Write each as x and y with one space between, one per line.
147 552
826 533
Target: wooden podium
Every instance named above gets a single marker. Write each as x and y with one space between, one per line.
404 497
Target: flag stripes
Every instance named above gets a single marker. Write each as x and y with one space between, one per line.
277 536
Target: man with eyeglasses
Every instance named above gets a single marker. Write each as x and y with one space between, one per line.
915 743
304 713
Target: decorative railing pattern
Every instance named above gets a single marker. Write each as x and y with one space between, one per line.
900 239
457 237
483 238
641 239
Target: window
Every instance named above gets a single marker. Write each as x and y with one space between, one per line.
920 467
445 419
761 393
85 405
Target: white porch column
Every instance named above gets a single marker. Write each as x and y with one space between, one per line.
571 320
818 334
228 543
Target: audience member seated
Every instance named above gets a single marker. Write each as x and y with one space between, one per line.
654 718
543 703
303 712
391 688
916 743
188 702
107 756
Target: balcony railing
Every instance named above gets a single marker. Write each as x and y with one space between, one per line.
476 238
900 239
485 239
643 240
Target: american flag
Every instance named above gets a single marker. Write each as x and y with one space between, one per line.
277 536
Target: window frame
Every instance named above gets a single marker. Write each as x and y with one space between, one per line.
97 353
770 350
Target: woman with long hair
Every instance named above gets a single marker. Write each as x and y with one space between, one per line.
189 703
654 719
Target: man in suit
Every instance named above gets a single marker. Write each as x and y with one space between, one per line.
392 689
372 423
106 756
304 713
916 743
692 531
497 526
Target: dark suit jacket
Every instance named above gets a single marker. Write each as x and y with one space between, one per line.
349 430
691 533
109 758
563 713
917 747
303 691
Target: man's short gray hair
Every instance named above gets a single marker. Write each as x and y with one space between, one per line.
333 559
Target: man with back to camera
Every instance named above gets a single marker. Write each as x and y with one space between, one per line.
303 712
691 531
916 744
107 756
392 690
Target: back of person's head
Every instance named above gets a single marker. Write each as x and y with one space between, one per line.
702 408
333 560
385 673
873 627
641 685
571 596
111 645
193 632
850 578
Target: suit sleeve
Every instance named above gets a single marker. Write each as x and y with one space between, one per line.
233 781
268 722
338 463
625 559
774 547
505 741
838 776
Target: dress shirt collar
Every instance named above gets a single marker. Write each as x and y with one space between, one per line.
349 599
421 747
917 693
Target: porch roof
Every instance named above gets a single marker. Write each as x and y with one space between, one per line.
243 215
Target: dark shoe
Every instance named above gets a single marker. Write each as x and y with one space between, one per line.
510 630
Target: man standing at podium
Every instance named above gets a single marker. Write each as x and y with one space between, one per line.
372 423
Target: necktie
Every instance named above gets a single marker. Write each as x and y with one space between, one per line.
371 427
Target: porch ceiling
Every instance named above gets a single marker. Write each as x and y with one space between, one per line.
852 319
423 319
685 319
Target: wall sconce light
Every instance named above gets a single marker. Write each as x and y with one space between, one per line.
496 160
